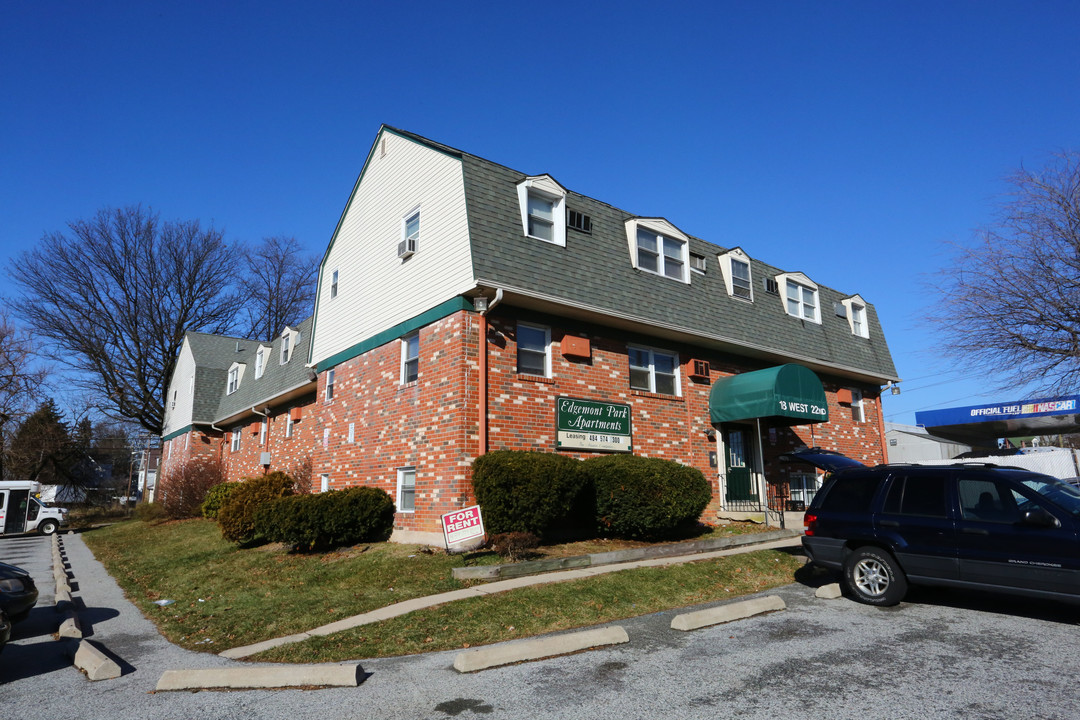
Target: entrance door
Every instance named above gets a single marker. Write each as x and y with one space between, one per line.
16 511
740 481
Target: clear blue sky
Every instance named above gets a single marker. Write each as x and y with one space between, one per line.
847 140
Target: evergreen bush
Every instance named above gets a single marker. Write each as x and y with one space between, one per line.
532 492
326 520
645 498
237 516
217 496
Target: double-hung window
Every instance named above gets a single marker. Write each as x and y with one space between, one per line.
235 446
286 346
260 363
858 320
541 217
858 413
263 428
543 209
333 284
330 385
406 489
410 358
802 301
234 381
654 371
740 279
661 255
533 344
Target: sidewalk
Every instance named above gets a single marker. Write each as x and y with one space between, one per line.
408 606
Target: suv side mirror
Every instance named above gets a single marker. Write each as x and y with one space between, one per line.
1039 517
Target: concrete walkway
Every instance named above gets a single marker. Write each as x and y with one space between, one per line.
408 606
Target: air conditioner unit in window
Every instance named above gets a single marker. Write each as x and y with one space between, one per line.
406 248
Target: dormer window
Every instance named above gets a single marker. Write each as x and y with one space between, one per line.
543 209
800 295
236 374
658 247
735 267
856 316
289 339
260 360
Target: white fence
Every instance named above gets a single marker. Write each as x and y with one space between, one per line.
1057 462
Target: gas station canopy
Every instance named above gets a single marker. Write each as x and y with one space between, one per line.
980 425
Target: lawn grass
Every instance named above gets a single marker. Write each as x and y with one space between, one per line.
540 609
224 596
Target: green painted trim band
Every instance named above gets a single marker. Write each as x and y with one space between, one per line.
182 431
444 309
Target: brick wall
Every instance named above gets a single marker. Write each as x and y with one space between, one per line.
429 424
374 425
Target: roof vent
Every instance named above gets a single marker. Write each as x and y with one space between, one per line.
578 221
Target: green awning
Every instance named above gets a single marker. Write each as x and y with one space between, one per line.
786 394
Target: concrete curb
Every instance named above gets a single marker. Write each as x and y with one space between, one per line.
727 613
511 570
537 648
277 676
829 592
96 664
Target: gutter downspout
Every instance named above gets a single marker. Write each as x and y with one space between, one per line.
881 431
483 370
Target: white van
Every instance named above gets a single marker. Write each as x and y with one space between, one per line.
22 512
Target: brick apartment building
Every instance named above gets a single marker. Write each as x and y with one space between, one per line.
464 307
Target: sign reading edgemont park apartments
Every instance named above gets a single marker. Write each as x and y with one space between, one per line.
592 425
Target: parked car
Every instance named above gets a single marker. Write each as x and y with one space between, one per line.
980 526
18 593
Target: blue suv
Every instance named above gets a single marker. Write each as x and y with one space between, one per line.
978 526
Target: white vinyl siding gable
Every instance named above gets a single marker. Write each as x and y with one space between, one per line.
384 290
180 414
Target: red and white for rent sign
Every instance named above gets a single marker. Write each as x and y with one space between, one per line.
462 525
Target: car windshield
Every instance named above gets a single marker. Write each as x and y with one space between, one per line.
1061 494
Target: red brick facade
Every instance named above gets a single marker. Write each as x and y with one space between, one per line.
375 425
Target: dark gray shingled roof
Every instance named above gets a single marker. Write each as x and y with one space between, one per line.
215 354
595 270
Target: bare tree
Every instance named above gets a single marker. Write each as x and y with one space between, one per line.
21 378
1011 305
21 372
115 295
279 286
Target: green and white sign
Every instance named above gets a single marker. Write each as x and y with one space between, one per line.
591 425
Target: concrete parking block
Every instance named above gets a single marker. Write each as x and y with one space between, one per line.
96 664
277 676
537 648
727 613
70 627
829 592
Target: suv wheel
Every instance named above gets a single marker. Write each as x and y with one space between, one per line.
873 577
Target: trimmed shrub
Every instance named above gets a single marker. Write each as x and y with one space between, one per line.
533 492
216 497
184 488
237 516
645 498
514 546
326 520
